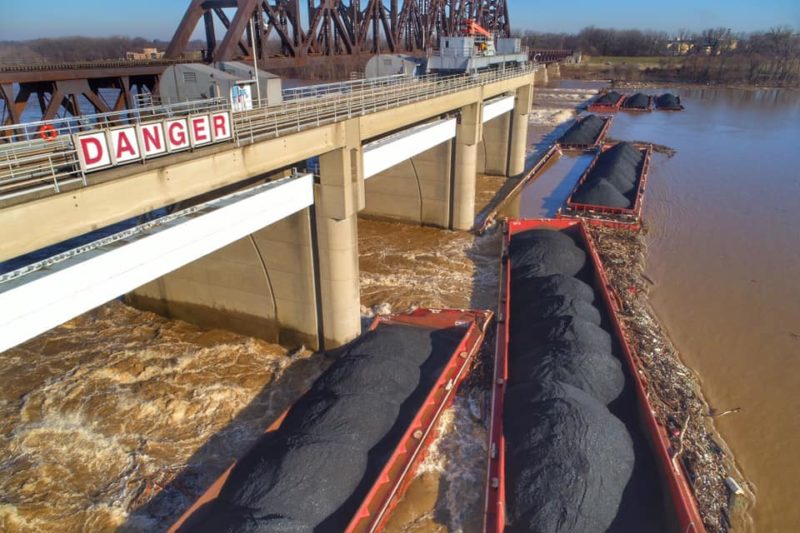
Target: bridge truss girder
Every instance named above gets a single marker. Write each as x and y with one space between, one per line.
330 27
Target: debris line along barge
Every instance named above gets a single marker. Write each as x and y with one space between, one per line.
610 192
341 457
575 446
588 132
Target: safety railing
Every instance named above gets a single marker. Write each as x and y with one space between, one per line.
64 126
32 164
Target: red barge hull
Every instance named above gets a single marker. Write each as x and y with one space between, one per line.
681 506
614 217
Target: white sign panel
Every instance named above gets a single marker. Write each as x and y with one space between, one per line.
200 129
122 145
93 151
241 98
126 145
152 140
177 135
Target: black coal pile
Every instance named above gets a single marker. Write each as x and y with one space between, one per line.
584 132
637 101
669 102
609 98
568 458
311 474
614 178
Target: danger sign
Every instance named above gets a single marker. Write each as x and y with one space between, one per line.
117 146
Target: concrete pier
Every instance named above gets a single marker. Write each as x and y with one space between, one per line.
519 130
469 132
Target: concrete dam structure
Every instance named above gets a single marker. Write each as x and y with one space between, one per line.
278 260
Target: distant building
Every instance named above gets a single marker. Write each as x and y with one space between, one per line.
145 54
680 47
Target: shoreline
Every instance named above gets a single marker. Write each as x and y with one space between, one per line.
679 402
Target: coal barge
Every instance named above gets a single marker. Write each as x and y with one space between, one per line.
574 442
610 191
342 456
586 133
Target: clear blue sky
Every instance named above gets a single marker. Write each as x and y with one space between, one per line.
27 19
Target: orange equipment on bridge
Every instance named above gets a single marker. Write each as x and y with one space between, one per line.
472 28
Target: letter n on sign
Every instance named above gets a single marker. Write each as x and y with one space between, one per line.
93 151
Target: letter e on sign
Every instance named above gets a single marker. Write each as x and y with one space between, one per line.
177 135
151 139
92 151
221 126
200 128
125 144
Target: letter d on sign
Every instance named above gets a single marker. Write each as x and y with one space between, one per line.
92 151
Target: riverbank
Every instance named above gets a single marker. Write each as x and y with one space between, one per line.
724 71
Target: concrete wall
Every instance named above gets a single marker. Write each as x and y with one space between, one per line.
416 190
493 148
262 285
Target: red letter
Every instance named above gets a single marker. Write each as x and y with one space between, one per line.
220 126
152 138
94 144
199 128
124 145
180 139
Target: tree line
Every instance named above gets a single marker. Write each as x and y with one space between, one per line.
714 55
72 49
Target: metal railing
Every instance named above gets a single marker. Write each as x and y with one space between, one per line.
32 165
343 87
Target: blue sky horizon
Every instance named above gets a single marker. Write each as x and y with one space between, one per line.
158 19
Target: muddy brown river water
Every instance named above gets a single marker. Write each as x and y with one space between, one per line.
121 418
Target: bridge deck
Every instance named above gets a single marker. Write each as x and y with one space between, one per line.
32 166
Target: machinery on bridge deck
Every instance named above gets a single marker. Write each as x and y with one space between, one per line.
475 49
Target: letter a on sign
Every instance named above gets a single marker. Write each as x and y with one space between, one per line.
125 144
93 151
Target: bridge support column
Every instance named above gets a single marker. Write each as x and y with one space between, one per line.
493 151
469 132
519 130
338 197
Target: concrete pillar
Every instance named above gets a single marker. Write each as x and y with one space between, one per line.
519 130
338 197
493 151
469 132
540 76
262 286
416 190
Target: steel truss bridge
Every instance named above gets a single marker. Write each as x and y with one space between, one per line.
279 33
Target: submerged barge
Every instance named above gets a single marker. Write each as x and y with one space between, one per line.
658 496
451 339
613 216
